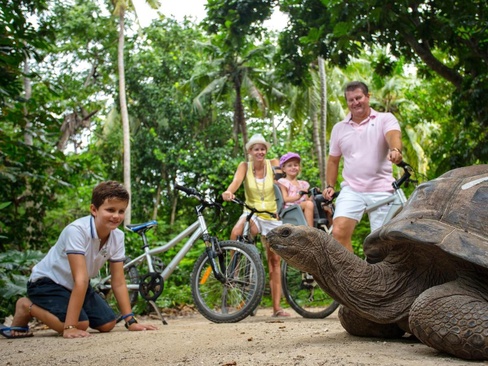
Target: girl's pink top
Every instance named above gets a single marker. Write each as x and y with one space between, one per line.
294 190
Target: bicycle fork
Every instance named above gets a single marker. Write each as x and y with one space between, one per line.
213 251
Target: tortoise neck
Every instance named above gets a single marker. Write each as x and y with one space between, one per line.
368 289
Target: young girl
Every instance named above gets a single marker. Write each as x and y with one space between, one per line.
290 186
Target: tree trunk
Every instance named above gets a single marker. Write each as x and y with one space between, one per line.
28 94
275 134
323 122
316 139
124 113
174 205
239 119
157 200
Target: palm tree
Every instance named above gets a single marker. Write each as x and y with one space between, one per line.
120 7
230 75
316 104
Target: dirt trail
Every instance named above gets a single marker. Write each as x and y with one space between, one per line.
192 340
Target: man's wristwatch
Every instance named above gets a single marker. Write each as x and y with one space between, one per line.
329 186
397 150
130 322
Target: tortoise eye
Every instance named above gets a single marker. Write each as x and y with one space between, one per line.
286 232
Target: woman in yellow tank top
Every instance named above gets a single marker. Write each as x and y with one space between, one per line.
258 178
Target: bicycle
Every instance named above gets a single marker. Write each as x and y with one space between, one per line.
227 281
300 289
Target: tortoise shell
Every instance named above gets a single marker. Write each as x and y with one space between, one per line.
450 212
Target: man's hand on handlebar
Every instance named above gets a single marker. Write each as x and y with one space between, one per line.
328 193
395 156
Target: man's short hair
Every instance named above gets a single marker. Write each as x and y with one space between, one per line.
109 190
353 85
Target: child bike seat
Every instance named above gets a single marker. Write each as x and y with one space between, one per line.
290 215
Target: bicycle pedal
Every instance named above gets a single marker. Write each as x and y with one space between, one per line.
307 285
307 281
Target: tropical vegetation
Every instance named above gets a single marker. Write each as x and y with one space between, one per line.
86 95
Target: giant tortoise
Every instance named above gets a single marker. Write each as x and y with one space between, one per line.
426 271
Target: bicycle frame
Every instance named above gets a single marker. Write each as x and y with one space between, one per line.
247 236
397 201
397 198
195 230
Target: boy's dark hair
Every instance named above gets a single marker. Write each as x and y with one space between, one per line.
353 85
109 190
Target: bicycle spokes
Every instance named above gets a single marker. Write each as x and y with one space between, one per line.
240 293
304 295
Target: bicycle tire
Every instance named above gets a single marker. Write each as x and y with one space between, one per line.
132 277
304 295
237 298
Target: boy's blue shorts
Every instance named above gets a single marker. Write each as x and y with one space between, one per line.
54 298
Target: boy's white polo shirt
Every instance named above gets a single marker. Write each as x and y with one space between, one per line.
79 237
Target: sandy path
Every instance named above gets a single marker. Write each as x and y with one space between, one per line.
192 340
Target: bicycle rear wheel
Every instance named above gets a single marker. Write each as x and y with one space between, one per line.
243 289
304 294
132 277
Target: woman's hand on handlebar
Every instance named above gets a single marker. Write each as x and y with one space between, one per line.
228 196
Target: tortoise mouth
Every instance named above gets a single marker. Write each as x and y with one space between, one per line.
277 247
271 239
274 244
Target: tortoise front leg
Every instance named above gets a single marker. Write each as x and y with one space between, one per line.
356 325
452 318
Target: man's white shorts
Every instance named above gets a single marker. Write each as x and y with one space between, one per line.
353 204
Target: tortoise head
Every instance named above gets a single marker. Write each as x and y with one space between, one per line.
298 245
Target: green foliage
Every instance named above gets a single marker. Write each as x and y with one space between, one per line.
443 36
304 39
19 38
15 270
34 173
28 177
193 96
237 19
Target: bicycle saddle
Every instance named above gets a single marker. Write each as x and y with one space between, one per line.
136 228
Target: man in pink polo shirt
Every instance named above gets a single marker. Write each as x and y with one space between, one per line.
370 142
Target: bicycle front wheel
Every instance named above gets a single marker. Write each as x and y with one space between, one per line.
239 294
304 294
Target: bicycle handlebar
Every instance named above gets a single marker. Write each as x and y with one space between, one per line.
252 209
405 166
193 192
407 172
317 193
188 191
